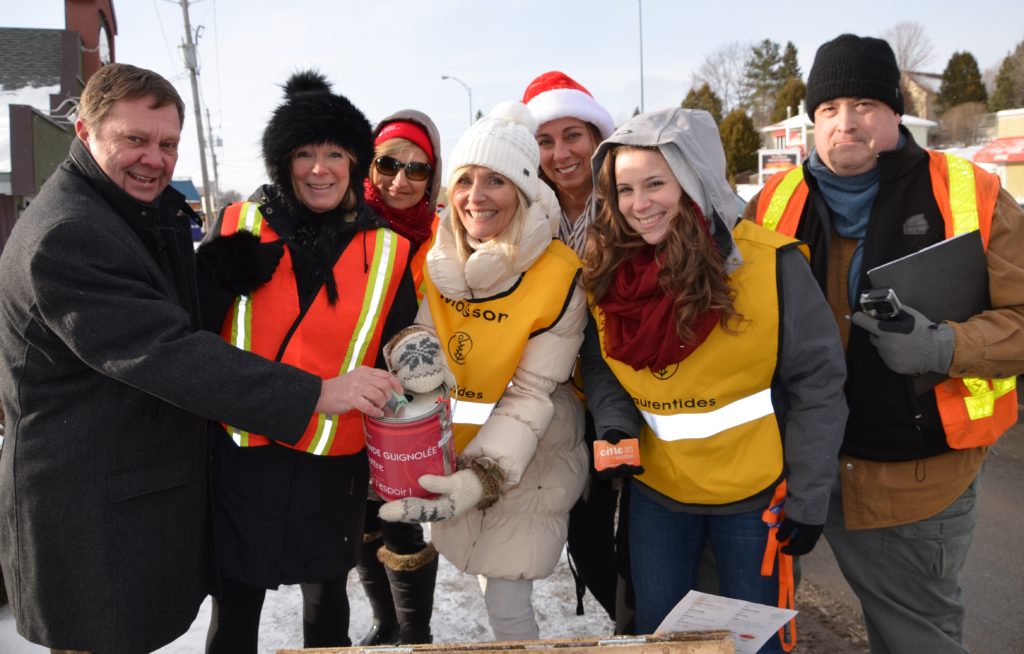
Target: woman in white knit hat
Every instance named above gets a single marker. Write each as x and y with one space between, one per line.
501 295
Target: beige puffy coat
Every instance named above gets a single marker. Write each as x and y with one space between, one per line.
535 433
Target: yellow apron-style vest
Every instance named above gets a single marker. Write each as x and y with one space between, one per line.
484 339
711 435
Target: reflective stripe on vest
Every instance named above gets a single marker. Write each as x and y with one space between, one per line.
250 220
966 198
973 397
785 185
471 413
702 425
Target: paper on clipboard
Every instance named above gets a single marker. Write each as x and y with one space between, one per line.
751 624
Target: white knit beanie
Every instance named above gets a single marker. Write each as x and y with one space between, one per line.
502 141
555 95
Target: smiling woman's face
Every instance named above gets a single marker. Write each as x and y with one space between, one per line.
320 175
647 192
486 202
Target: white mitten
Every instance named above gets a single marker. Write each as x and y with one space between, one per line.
460 492
415 356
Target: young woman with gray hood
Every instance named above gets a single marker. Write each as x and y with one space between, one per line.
711 343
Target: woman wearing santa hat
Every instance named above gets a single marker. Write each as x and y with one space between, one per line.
571 124
502 297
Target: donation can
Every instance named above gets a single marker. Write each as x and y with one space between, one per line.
416 441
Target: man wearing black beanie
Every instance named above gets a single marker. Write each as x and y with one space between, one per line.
903 510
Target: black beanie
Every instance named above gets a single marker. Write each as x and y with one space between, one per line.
851 66
312 115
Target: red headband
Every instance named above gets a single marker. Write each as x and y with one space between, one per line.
402 129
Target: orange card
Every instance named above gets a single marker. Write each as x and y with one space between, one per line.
625 452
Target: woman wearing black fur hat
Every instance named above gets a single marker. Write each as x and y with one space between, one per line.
305 273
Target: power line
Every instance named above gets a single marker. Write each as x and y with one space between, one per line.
167 45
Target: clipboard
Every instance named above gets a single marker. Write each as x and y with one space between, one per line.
944 281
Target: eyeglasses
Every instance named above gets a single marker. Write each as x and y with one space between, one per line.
414 170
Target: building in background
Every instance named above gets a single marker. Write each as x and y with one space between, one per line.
793 138
42 74
1005 154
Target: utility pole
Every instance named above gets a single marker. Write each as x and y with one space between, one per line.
192 63
213 155
640 15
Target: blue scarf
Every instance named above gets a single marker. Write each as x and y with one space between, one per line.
850 199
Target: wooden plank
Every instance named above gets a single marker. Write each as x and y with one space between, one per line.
690 642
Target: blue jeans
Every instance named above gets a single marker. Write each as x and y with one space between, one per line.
665 553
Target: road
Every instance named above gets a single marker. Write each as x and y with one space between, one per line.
993 579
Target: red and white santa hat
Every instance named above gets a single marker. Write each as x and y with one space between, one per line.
555 95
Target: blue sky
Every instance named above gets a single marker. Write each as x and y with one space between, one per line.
388 55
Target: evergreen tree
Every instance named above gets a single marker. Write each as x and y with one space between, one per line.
789 68
961 82
761 80
740 141
1009 83
704 98
790 95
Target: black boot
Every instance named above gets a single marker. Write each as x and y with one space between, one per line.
412 582
384 630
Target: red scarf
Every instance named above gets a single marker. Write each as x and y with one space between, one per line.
413 223
639 326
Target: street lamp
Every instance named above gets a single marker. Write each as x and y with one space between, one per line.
469 92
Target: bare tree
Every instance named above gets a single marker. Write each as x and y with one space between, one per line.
962 124
723 71
912 48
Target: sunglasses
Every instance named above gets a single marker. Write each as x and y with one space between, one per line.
414 170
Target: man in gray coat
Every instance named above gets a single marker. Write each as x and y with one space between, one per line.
107 382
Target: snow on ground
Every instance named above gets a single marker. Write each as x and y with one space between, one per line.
459 615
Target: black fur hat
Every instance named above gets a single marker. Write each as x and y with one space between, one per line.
311 115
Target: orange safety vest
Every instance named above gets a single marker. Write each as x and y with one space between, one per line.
975 411
329 340
419 261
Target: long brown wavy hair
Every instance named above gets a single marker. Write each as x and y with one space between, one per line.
692 270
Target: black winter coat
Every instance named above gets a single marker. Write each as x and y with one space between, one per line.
104 376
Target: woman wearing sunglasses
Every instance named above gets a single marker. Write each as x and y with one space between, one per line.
402 187
397 567
304 273
503 299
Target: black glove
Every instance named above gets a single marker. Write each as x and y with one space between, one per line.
239 263
625 471
801 537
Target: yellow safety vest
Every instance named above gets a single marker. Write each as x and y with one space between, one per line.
484 339
711 435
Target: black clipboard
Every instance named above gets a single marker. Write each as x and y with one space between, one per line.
945 281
